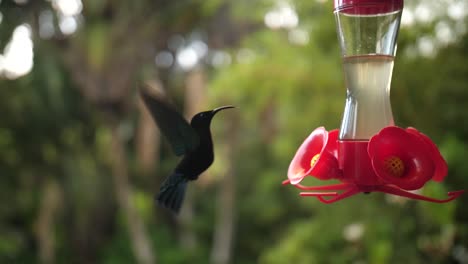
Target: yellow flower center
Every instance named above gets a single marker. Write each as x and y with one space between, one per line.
314 159
394 166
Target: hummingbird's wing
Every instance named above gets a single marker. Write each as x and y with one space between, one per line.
182 137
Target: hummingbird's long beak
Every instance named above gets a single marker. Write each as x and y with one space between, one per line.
214 111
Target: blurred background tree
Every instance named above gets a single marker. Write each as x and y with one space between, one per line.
81 159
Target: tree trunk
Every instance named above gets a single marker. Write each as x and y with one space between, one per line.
195 95
148 137
224 227
50 204
140 242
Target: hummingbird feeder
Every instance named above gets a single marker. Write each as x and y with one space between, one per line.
369 153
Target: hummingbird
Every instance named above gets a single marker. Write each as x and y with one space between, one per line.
191 140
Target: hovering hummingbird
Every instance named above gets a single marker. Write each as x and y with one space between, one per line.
193 141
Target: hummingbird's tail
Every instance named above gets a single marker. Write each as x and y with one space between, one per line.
172 192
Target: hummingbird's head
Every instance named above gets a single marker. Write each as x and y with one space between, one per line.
203 119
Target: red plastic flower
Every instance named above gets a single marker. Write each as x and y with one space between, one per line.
405 158
441 168
317 156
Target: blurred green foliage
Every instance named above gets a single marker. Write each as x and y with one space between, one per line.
49 132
